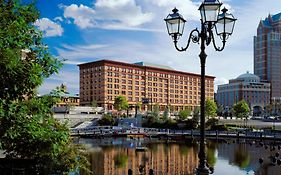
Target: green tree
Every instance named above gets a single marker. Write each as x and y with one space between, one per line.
166 114
120 103
155 110
210 108
241 109
28 129
220 110
106 120
183 114
94 104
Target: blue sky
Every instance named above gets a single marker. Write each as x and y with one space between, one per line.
133 30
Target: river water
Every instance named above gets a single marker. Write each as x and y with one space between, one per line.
228 157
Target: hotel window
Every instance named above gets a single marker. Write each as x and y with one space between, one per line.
142 83
137 93
116 92
137 82
109 86
109 91
123 86
130 82
130 98
130 92
123 75
130 76
123 81
137 88
130 87
123 92
116 86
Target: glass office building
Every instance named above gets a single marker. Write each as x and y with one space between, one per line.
267 53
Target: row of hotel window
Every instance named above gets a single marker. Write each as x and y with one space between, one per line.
154 100
123 81
135 71
142 88
141 76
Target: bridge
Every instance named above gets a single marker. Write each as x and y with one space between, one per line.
109 131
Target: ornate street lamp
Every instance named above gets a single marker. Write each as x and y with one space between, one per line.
211 19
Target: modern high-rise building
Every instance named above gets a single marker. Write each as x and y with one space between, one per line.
104 80
267 53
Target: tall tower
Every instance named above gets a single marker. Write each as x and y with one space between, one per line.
267 53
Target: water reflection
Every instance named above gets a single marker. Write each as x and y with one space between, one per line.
119 157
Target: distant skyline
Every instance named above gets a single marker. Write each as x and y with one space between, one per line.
134 31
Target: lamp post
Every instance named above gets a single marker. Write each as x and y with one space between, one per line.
223 24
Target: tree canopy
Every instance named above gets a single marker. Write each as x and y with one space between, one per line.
183 114
241 109
28 129
120 103
210 108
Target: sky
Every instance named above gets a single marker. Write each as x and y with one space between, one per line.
81 31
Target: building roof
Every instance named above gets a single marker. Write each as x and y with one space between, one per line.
248 77
271 18
153 65
102 62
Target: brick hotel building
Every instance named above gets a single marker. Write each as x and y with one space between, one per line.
104 80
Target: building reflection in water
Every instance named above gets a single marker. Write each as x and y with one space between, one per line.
162 158
182 158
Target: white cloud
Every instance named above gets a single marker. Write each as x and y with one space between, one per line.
69 78
108 14
125 12
49 27
58 18
83 16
